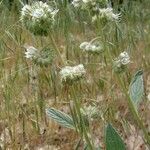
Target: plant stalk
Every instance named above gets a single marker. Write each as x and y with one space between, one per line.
134 112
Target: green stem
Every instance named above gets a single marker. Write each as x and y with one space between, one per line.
81 121
134 112
57 50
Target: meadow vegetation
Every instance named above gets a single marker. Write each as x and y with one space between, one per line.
75 75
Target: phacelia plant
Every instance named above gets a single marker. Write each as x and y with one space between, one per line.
38 18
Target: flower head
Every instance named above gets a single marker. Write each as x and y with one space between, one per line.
38 18
31 52
124 58
89 4
46 57
77 3
69 74
90 47
121 62
41 57
106 14
25 10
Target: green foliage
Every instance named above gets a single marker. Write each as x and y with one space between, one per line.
29 88
45 57
112 140
61 118
136 89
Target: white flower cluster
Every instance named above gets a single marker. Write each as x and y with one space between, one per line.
90 4
38 17
82 3
98 9
40 57
124 58
77 3
91 47
31 52
90 111
121 62
107 14
69 74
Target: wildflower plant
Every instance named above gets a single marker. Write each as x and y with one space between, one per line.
99 90
38 17
99 10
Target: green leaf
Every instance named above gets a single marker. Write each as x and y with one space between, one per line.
136 88
61 118
112 140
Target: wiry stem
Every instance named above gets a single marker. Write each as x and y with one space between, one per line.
57 50
81 121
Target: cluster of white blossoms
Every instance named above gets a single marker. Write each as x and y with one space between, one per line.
38 17
89 4
106 14
91 47
82 3
100 9
121 62
77 3
31 52
124 58
69 74
39 57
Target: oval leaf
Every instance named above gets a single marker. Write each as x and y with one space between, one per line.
60 117
112 140
136 89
